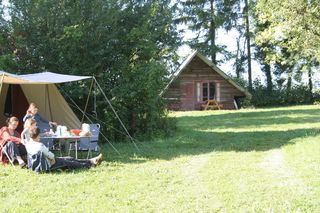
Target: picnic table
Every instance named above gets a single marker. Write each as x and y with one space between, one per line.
211 104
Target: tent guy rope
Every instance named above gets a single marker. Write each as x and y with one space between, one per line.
87 101
116 114
84 114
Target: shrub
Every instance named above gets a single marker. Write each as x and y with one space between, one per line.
298 94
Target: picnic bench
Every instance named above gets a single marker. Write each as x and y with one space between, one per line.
211 104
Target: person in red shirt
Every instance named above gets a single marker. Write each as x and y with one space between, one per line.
11 143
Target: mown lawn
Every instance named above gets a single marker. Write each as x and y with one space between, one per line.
230 161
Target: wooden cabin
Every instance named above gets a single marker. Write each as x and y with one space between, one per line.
199 80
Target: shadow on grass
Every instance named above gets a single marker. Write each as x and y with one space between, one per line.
191 139
197 142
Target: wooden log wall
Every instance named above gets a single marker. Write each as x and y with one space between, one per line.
182 93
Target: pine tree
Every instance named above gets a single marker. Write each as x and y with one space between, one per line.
204 18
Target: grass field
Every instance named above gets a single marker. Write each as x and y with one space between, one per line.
231 161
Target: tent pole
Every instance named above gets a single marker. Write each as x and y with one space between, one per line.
116 114
85 108
49 103
90 121
105 137
45 99
95 99
2 77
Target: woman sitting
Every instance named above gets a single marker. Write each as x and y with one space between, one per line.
42 123
41 159
11 143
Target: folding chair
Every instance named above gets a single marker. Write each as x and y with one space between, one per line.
89 144
4 151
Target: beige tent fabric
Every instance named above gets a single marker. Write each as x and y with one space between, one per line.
47 97
51 104
5 79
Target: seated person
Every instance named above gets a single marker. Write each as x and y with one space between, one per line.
11 143
42 123
35 147
30 123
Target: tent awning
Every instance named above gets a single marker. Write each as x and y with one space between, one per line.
39 78
10 78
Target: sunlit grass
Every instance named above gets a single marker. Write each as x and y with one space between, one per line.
230 161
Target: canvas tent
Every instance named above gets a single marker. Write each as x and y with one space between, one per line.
17 91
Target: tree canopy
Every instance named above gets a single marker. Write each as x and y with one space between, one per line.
125 44
293 25
204 18
131 45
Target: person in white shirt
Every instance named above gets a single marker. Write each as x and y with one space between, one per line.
30 123
36 148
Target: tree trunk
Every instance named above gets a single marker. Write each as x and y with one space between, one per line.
289 83
213 35
237 59
267 70
310 84
246 9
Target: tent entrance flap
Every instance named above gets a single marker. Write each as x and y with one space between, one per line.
8 101
19 104
15 103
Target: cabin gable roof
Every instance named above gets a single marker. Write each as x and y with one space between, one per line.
210 64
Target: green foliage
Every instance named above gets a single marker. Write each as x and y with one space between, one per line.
293 25
139 103
278 96
5 55
297 94
126 45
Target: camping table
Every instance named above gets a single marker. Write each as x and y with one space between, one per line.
67 138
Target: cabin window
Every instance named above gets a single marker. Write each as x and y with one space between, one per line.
208 91
205 91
